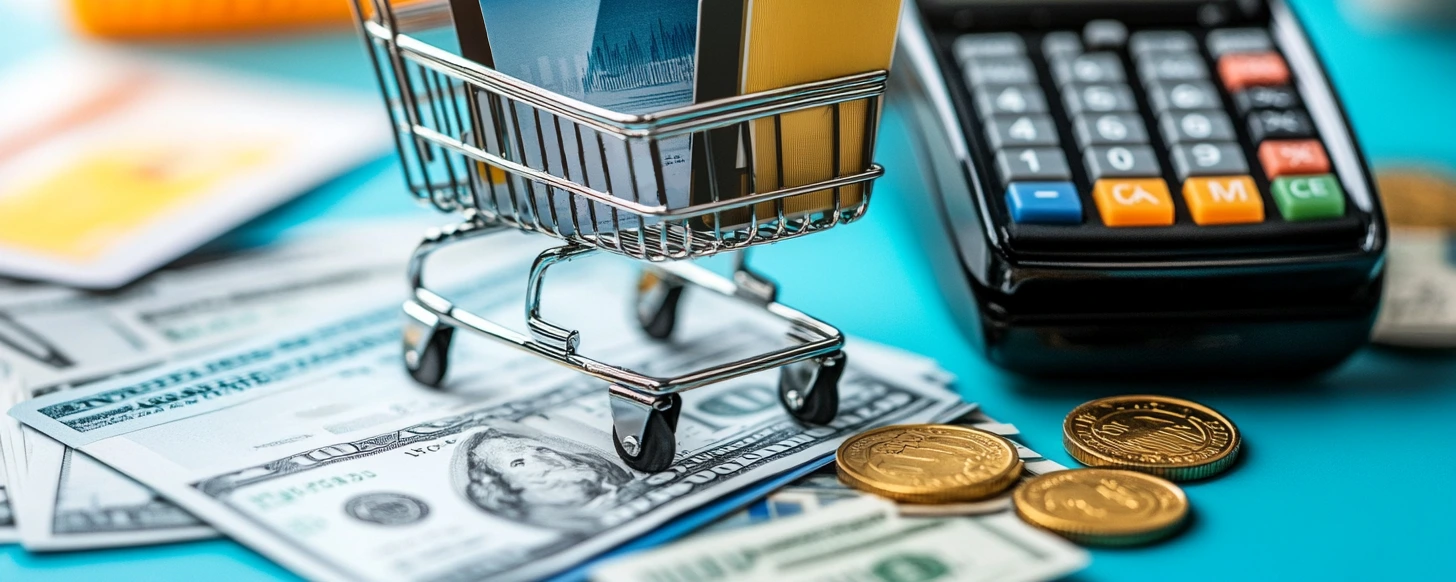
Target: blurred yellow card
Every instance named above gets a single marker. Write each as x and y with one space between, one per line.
112 166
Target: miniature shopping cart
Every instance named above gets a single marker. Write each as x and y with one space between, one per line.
459 130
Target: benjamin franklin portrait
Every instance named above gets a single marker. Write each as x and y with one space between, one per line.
525 475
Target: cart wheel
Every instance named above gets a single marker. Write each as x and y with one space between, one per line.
429 364
657 299
659 438
809 390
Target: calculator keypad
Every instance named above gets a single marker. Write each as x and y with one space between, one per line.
1144 115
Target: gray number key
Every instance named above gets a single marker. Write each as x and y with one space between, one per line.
1109 129
1009 99
1121 162
1148 41
1099 98
1196 126
1162 66
1032 165
1007 131
1183 96
1000 71
1239 40
1061 44
1208 159
997 44
1089 68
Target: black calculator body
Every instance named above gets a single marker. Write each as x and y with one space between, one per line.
1140 187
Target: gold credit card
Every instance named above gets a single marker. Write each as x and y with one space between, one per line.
789 42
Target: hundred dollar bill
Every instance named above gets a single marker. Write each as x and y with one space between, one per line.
861 540
78 503
316 449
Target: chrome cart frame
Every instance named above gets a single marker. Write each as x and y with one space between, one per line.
458 128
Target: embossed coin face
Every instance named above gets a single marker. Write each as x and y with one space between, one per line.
1163 436
1102 506
928 463
390 509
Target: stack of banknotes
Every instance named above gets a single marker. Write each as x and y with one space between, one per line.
260 395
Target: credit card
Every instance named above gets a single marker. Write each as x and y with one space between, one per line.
789 42
112 165
628 56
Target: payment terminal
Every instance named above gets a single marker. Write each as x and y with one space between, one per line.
1140 187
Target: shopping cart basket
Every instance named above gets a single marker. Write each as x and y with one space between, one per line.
460 139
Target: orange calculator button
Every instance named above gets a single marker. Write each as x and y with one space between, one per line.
1241 71
1142 202
1288 157
1223 200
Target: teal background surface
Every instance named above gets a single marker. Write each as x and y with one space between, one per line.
1347 477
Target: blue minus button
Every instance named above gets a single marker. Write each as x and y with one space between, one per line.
1044 203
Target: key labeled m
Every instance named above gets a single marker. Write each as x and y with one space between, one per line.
1229 191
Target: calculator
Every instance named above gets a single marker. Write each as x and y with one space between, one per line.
1139 187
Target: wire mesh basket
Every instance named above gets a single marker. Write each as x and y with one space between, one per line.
506 154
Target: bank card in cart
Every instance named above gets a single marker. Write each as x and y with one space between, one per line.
113 164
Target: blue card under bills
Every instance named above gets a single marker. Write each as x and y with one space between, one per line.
629 56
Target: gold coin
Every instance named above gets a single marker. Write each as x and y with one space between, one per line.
1102 506
1168 437
1418 197
928 463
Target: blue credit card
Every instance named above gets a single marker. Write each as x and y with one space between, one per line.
629 56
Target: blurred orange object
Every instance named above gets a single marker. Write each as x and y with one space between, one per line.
139 19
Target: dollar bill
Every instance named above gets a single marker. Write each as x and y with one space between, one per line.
78 503
316 449
9 533
1419 307
861 540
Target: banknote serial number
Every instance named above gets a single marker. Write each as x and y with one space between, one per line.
283 497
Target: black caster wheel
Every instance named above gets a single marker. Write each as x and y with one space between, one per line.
428 366
659 440
657 299
809 390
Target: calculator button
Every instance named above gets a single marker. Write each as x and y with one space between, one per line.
1208 159
1150 41
1183 96
1109 129
1089 68
1061 44
1309 197
1279 125
1134 161
1032 165
1239 40
1000 71
1100 98
1252 70
1044 203
1293 157
1104 34
1167 66
1133 202
1000 44
1196 126
1256 98
1010 99
1223 200
1005 131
